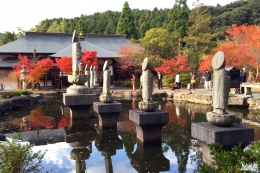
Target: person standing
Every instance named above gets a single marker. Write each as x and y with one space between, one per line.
178 81
250 77
207 76
133 81
159 76
193 81
243 79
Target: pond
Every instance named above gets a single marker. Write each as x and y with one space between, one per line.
81 145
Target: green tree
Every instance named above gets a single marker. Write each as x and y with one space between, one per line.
125 23
8 37
178 18
199 40
160 41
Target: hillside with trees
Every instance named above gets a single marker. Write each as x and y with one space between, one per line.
168 34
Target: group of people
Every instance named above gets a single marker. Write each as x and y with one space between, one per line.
246 78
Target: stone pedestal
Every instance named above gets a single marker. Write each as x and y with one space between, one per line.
149 124
78 99
149 158
107 112
208 133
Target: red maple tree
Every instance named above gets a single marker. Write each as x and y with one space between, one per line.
88 58
130 59
205 64
36 69
246 36
64 64
172 66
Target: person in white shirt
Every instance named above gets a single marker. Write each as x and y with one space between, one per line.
178 81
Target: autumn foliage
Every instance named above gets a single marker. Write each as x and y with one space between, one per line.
36 69
88 58
64 64
206 63
172 66
242 46
130 59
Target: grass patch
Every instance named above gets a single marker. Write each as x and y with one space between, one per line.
10 94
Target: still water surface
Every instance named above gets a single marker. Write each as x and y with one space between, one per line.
81 145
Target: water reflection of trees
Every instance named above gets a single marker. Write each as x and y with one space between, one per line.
176 134
47 116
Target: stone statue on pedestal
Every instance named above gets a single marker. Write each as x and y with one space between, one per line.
221 88
95 75
87 74
106 96
76 54
91 76
77 78
146 104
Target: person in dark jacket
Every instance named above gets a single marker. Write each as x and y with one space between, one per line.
207 76
243 79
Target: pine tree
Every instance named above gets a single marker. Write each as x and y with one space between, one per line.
178 18
199 40
125 23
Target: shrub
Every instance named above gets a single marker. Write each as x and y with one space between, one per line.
236 160
127 83
168 81
20 158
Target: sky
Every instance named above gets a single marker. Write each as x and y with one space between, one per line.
28 13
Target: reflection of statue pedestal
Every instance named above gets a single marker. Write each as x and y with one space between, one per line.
80 134
149 124
149 159
80 155
108 142
207 133
107 112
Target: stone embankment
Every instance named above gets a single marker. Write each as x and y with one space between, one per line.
200 97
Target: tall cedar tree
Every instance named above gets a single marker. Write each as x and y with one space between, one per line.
178 18
199 38
125 23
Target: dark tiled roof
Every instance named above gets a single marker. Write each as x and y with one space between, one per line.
101 52
50 43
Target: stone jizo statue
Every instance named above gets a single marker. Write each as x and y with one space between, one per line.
221 88
147 76
106 96
76 54
91 76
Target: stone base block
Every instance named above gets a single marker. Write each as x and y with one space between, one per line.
143 118
78 99
107 113
227 136
100 107
149 124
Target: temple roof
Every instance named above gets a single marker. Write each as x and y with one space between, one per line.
101 52
51 43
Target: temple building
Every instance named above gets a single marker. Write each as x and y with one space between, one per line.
38 45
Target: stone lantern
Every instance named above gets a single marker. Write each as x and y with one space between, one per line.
23 78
